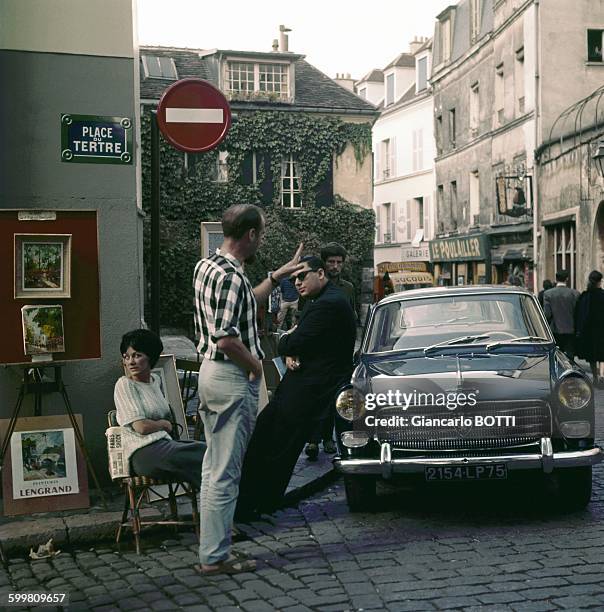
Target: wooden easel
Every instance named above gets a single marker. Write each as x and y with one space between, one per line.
33 383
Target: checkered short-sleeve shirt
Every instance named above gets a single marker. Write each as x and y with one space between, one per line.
225 305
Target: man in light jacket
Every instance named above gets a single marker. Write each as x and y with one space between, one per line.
559 306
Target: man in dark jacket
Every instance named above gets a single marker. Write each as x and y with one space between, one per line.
559 307
318 353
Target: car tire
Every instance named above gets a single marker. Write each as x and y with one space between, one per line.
574 488
360 493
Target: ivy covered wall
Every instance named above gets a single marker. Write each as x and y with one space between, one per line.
190 194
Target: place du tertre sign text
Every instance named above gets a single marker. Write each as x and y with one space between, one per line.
462 248
92 139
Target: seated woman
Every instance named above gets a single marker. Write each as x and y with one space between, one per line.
144 413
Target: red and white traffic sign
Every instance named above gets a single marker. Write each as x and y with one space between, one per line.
193 115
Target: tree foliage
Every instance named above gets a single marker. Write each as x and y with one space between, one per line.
190 194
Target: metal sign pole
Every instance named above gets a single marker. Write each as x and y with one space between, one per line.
155 277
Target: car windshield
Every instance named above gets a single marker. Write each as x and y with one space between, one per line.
455 320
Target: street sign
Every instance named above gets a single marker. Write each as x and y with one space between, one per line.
193 115
94 139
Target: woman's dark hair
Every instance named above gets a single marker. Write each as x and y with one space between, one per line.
240 218
593 279
144 341
547 284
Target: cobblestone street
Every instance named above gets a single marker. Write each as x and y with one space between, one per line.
470 549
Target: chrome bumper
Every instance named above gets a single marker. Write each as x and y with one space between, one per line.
545 461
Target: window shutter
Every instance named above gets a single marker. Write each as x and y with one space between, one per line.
263 167
427 217
378 227
378 163
409 204
325 188
393 211
393 157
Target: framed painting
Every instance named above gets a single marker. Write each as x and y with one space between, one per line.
42 265
44 468
43 332
165 368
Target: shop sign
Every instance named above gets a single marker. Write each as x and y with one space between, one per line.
399 266
92 139
412 278
419 253
462 248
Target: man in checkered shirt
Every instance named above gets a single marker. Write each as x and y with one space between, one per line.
229 376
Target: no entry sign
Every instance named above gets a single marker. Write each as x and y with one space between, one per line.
193 115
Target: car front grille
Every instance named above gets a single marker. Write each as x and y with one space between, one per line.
532 421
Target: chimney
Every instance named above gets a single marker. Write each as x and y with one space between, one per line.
283 39
345 80
275 45
415 44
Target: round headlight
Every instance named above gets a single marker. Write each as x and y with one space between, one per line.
350 404
574 393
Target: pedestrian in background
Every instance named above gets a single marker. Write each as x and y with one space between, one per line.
318 356
229 376
289 304
547 284
589 322
559 307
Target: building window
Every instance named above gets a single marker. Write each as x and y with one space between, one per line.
519 80
363 93
453 213
439 134
390 89
291 185
474 110
474 198
273 79
452 127
386 159
389 223
563 248
422 73
156 67
222 167
418 150
595 40
499 94
270 80
445 39
475 19
415 214
440 206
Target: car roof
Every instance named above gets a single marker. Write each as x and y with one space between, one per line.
429 292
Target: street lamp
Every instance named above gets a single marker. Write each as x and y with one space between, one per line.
598 157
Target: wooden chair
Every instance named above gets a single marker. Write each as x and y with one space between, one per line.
137 488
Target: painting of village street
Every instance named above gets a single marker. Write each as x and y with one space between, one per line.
43 329
43 455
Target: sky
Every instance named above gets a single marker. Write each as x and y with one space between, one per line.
336 36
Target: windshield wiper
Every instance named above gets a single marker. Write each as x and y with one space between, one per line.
512 340
462 340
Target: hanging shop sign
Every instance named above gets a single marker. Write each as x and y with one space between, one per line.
92 139
462 248
399 266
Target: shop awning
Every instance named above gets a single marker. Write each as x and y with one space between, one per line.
512 252
412 278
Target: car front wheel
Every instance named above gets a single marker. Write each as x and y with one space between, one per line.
574 487
360 492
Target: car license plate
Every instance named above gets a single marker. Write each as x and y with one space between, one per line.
488 471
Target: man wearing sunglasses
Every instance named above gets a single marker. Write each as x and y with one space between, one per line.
318 354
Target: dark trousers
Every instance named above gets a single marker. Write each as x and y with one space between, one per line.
323 429
566 343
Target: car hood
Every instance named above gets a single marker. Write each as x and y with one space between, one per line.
494 377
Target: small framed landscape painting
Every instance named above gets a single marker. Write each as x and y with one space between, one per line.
42 265
43 330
